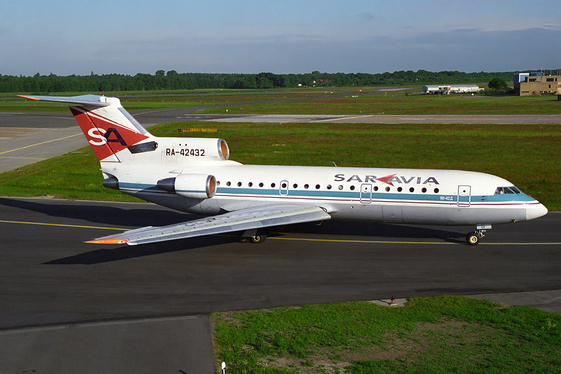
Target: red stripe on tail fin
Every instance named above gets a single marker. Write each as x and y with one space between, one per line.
106 137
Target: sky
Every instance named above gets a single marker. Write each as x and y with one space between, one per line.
292 36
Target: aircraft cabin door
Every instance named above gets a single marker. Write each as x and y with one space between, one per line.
464 195
365 193
283 188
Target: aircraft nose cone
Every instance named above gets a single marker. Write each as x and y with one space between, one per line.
535 211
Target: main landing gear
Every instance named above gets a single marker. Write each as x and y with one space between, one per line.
474 237
253 236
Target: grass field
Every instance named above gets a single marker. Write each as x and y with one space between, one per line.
445 334
400 103
315 101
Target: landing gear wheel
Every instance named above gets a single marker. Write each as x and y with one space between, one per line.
472 238
258 239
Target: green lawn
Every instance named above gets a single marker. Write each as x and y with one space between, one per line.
445 334
400 103
314 101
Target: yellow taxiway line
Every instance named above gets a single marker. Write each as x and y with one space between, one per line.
284 238
36 144
64 225
396 241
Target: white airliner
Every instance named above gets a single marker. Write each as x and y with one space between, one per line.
194 175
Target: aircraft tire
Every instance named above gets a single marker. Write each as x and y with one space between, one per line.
258 239
472 238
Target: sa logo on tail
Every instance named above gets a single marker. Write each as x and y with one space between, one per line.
104 136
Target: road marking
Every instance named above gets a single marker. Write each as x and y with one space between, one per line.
283 238
397 242
36 144
64 225
356 241
341 118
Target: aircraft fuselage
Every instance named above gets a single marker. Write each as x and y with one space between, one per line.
387 195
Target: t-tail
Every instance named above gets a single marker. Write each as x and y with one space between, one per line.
108 127
140 164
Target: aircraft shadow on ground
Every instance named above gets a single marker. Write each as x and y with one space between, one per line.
147 216
358 230
103 213
126 252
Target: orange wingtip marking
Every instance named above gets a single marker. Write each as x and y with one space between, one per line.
30 98
108 241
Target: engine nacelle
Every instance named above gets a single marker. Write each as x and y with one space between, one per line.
193 186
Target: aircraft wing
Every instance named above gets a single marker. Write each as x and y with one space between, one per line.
239 220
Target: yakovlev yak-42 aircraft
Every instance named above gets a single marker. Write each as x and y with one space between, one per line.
194 175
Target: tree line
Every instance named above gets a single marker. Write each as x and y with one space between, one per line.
172 80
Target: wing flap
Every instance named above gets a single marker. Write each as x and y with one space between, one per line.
240 220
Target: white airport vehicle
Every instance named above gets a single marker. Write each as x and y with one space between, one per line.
195 175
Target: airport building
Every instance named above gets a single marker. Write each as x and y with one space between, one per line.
446 89
531 84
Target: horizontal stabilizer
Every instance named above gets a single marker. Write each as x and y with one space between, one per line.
240 220
88 100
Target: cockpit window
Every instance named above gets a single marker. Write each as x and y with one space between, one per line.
507 190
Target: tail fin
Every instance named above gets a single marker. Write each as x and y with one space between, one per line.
108 127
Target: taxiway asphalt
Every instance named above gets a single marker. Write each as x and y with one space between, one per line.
52 277
153 301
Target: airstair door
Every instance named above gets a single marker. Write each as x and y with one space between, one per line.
464 196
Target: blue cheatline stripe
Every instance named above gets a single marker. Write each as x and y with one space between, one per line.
345 195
